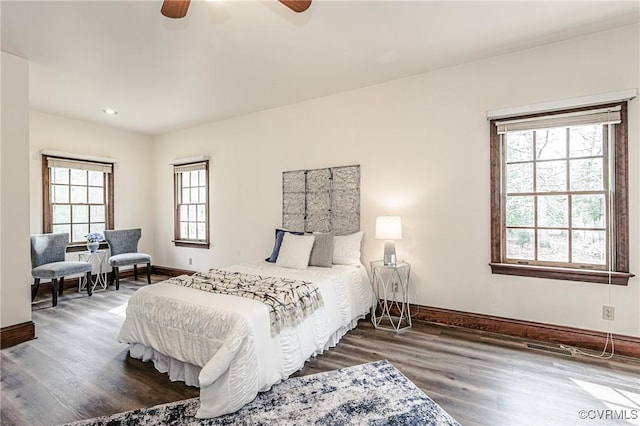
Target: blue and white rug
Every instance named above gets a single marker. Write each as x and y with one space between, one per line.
367 394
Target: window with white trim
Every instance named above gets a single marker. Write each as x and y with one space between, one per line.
559 195
78 197
191 183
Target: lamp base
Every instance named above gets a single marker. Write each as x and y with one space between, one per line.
389 258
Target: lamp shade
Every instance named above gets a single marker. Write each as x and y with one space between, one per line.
388 228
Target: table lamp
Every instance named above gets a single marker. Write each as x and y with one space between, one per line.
389 228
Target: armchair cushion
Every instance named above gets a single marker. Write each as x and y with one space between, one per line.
126 259
60 269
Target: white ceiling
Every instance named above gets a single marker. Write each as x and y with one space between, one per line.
232 57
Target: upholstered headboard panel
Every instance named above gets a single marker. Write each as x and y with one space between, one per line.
322 200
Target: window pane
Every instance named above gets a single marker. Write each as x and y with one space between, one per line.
96 227
587 211
201 231
62 228
520 244
78 195
80 213
96 178
554 205
551 143
589 247
520 211
585 141
77 201
551 176
60 175
191 205
586 175
519 146
519 178
553 211
61 213
194 178
553 245
60 194
202 212
79 231
97 213
78 177
96 195
184 212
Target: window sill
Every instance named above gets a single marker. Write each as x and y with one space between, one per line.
193 244
71 248
568 274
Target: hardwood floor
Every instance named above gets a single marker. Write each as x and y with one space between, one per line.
76 369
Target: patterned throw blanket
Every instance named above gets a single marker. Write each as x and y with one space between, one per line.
289 301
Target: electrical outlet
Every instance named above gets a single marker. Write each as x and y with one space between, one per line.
190 261
608 313
395 287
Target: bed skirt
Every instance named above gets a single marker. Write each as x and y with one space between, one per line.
178 371
188 373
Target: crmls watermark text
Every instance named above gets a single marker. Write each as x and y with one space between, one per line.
607 414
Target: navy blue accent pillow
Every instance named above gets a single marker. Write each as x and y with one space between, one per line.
276 247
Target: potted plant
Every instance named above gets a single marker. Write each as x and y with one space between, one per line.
93 241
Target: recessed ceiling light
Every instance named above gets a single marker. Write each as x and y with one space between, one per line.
110 111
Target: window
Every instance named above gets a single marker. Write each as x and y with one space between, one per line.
78 196
191 183
559 195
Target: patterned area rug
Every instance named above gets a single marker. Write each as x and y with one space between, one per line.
367 394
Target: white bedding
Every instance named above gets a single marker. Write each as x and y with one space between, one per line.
223 343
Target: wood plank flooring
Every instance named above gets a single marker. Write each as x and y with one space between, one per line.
76 369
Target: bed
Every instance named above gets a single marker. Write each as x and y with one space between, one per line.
225 344
233 347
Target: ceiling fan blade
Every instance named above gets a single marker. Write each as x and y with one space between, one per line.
175 8
297 5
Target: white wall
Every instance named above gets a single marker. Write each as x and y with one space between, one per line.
132 172
423 146
15 264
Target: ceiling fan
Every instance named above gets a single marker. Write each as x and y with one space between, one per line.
178 8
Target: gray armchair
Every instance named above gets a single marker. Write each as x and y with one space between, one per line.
48 262
124 252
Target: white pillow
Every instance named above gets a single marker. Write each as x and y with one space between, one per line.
295 251
346 249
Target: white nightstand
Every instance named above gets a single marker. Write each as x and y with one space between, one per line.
391 292
97 260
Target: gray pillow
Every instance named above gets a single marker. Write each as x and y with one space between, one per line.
322 251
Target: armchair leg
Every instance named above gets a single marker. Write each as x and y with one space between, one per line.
149 273
61 286
135 272
116 272
89 283
34 288
54 291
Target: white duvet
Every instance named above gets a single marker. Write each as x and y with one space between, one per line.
223 343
